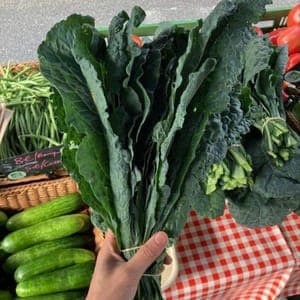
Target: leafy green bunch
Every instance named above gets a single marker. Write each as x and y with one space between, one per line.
146 128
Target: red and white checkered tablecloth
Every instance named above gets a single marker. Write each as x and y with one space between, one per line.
291 231
220 259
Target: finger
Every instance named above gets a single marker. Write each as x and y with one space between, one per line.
148 253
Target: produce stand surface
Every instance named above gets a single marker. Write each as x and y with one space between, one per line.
219 259
291 231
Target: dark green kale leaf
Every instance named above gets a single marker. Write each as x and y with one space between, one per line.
59 66
121 48
257 58
254 210
235 32
75 107
183 90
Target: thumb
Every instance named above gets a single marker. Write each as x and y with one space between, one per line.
148 253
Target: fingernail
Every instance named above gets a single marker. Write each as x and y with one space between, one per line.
161 238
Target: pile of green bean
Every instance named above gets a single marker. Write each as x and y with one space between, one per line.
33 125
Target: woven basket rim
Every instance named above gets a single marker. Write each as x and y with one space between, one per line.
18 197
18 67
31 63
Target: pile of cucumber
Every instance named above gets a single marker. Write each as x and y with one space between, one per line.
4 281
46 251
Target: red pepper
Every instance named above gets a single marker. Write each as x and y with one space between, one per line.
294 16
273 35
137 40
291 38
294 60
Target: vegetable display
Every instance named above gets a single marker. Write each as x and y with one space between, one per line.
75 277
49 230
33 126
45 211
51 245
53 261
176 123
32 253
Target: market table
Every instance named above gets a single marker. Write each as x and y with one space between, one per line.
220 259
291 231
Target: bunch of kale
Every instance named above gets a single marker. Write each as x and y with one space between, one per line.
148 129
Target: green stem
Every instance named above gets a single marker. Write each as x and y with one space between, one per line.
51 141
149 288
240 159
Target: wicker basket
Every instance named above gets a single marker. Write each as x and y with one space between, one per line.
18 67
21 196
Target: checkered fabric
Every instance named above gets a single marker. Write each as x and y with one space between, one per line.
291 231
220 259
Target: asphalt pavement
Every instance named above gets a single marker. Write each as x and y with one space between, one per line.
24 23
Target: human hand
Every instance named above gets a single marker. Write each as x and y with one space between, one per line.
117 279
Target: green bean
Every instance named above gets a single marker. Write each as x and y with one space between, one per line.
52 121
31 120
10 136
3 86
47 129
21 73
33 112
12 104
25 129
37 112
38 129
33 125
45 138
20 125
5 151
7 72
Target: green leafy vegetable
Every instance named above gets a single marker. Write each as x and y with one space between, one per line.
155 131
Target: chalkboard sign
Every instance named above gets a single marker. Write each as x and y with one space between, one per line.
33 163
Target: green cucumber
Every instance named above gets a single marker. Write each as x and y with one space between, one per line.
70 278
32 253
5 295
45 211
73 295
53 261
3 218
45 231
